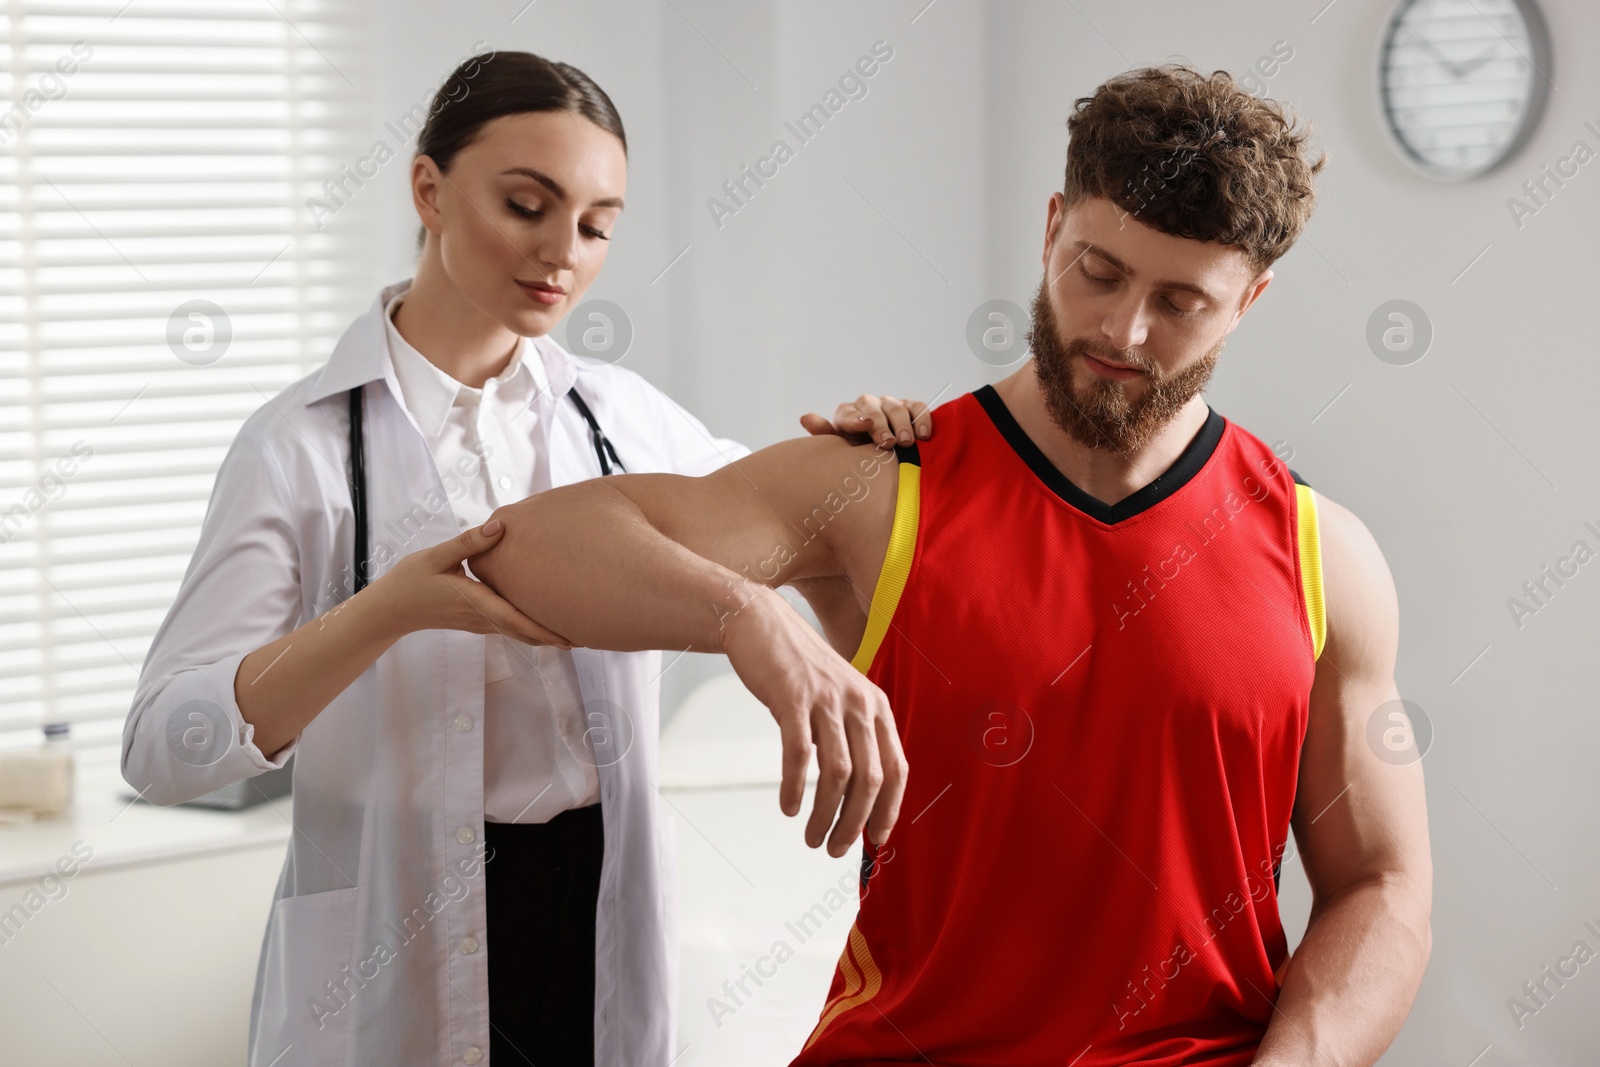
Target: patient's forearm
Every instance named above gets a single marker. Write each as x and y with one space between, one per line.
1352 979
584 561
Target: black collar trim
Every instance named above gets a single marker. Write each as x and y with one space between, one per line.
1175 477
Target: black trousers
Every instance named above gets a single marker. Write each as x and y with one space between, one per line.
541 884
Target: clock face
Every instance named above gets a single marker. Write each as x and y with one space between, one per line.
1464 81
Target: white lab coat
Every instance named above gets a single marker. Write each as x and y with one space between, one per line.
375 950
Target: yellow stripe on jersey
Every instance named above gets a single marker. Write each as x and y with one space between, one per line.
1311 566
896 565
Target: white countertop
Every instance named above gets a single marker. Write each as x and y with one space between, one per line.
122 832
723 738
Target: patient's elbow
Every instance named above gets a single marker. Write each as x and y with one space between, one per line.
507 558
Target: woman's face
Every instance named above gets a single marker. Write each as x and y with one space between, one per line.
524 217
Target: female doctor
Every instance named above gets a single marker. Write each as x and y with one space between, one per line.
478 869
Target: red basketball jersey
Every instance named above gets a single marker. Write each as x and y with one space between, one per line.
1102 707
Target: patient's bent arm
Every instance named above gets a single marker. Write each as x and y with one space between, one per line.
662 561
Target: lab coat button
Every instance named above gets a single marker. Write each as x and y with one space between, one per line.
469 945
463 723
465 835
474 1054
505 483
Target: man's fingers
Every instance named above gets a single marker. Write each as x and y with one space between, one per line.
886 808
796 730
833 774
866 778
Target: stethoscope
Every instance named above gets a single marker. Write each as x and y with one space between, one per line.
358 473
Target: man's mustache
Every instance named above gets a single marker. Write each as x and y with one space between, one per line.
1118 357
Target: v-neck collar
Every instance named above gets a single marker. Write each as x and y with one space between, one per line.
1175 477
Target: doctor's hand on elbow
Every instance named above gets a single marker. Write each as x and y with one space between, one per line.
431 590
883 420
819 699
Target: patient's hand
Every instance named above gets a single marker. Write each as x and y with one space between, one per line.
820 701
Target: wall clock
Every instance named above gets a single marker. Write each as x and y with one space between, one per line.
1463 82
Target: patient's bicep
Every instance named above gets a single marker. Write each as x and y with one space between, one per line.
765 516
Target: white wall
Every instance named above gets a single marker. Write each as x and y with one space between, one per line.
1472 467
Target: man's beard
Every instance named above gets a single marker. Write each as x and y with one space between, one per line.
1101 416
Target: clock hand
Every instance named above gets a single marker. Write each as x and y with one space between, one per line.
1444 60
1478 60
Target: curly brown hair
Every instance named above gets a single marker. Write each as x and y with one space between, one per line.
1194 156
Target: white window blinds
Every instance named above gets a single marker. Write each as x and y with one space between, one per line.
161 276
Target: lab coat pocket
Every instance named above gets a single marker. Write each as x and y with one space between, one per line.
307 990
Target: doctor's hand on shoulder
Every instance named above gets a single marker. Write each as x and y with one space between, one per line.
883 420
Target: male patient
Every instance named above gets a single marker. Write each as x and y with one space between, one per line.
1126 650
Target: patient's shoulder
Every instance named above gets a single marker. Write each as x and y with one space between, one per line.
818 463
834 501
806 477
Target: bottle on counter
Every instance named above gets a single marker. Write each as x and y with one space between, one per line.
38 782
